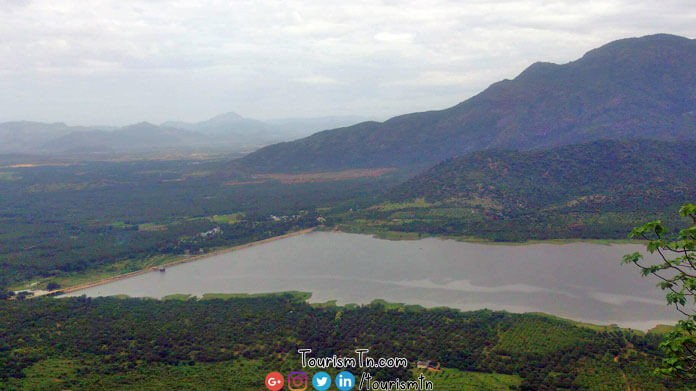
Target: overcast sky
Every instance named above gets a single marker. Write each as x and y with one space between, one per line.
119 62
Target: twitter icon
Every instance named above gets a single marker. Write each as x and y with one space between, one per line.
321 381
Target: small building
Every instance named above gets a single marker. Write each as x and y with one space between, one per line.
429 365
212 232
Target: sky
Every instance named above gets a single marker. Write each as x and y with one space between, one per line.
119 62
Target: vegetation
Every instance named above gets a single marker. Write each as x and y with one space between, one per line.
111 343
677 276
449 379
77 222
80 222
564 192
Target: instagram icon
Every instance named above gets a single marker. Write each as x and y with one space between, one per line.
297 381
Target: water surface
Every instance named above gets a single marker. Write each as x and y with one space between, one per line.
582 281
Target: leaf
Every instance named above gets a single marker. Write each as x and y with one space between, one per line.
686 210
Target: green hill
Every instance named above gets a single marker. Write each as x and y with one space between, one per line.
600 175
599 189
631 88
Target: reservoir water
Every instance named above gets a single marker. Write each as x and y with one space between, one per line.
581 281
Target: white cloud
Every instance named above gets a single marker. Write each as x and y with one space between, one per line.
156 60
394 37
317 79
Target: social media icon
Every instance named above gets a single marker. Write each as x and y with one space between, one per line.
321 381
297 381
274 381
345 381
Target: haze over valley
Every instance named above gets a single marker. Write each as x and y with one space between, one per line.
228 132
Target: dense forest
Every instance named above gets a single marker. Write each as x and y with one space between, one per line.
112 343
60 219
595 190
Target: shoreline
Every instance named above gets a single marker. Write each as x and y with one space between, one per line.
412 236
224 250
184 259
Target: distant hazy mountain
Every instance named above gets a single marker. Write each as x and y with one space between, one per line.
226 124
631 88
607 174
26 136
250 130
138 137
230 131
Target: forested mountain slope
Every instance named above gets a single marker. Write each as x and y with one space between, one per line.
631 88
639 174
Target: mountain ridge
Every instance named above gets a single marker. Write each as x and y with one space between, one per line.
225 131
631 88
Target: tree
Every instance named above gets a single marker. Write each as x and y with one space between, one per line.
5 293
676 270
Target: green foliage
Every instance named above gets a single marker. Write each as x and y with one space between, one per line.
62 374
455 380
231 218
109 343
676 271
539 334
178 296
63 221
609 372
587 191
390 206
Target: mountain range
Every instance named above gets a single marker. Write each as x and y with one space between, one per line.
630 88
228 131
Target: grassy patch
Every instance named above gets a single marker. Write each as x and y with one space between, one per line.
105 272
330 176
231 218
178 296
539 334
50 374
391 206
661 329
328 304
594 327
293 295
150 227
120 225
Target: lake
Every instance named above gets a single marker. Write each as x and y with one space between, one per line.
581 281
